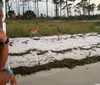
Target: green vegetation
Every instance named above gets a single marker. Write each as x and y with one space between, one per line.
20 28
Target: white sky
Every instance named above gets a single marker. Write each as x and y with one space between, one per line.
42 6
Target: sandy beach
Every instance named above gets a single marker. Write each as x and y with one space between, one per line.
80 75
48 49
79 52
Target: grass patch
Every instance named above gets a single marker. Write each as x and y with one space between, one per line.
20 28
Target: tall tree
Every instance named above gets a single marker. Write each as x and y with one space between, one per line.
9 5
67 5
56 3
98 7
93 6
89 5
23 3
84 5
61 3
77 8
90 8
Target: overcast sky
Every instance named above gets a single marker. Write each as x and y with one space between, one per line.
42 6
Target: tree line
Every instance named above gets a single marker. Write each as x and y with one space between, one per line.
82 8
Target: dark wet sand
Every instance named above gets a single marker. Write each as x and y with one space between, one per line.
80 75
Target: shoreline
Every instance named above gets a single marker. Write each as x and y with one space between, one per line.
68 63
80 75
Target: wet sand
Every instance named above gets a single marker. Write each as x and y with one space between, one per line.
80 75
